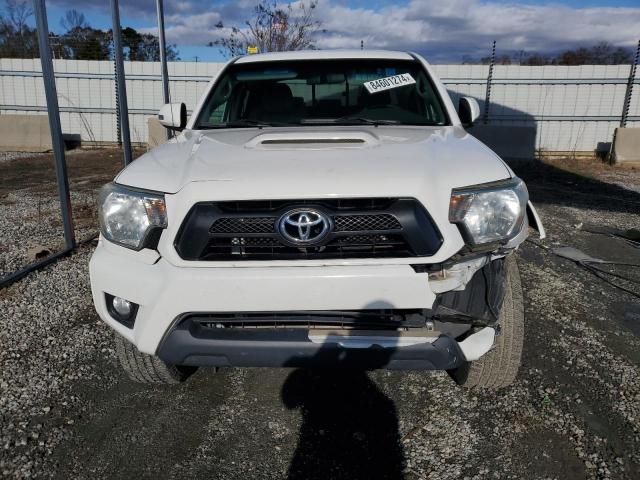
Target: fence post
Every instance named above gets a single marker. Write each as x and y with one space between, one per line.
163 57
487 98
629 91
53 110
120 85
611 156
118 128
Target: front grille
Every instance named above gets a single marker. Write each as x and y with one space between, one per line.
339 204
268 248
339 320
241 225
356 223
343 223
361 228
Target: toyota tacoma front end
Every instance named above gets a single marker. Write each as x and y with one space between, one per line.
318 209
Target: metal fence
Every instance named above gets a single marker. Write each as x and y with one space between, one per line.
572 108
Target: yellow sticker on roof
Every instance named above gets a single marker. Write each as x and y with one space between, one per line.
386 83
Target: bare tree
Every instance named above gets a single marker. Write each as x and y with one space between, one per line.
73 20
17 38
18 12
602 53
272 29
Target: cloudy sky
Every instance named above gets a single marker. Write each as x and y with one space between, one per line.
444 30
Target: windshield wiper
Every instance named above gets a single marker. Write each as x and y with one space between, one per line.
243 122
348 120
365 121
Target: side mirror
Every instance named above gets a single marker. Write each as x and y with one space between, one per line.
468 111
173 116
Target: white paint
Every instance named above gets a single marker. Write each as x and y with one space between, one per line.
325 170
170 115
542 233
325 55
476 345
314 137
473 106
165 291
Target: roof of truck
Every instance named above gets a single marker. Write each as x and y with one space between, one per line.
324 55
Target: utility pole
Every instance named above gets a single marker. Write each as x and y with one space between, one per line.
120 83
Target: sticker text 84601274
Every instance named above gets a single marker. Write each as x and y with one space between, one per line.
386 83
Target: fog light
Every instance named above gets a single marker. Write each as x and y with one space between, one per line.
122 306
121 310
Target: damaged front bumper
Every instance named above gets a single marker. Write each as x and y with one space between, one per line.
174 303
460 327
192 344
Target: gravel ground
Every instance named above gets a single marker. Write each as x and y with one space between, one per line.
9 156
67 410
30 218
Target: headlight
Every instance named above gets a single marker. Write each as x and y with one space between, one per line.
127 217
491 212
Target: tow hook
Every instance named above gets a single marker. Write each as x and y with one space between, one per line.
497 332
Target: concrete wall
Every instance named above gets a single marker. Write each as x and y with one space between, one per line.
626 145
569 108
157 133
25 133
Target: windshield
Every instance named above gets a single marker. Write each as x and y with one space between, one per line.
323 92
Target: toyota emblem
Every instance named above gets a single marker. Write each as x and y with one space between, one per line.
304 226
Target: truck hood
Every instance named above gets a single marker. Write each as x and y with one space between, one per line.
317 161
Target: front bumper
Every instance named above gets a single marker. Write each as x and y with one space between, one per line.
191 344
164 291
166 294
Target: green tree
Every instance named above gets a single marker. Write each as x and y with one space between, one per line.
144 47
80 41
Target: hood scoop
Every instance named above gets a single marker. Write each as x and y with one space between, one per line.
312 140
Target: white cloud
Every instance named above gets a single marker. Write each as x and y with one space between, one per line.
448 29
444 30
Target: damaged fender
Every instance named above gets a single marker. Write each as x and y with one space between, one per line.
534 220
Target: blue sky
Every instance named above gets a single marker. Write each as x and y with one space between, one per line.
444 30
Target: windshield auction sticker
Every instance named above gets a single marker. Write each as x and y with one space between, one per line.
386 83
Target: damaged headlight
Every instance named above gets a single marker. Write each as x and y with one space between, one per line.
491 212
128 217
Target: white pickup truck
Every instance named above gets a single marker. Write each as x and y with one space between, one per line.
318 209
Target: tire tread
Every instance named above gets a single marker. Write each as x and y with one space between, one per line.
499 367
143 368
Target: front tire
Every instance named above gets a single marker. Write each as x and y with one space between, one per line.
143 368
499 367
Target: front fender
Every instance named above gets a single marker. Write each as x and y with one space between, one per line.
534 220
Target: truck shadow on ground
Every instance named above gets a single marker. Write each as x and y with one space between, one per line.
349 426
549 184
